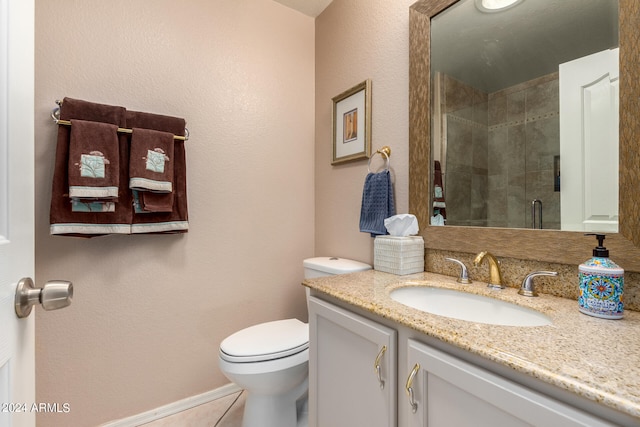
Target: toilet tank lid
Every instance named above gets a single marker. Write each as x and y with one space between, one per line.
335 265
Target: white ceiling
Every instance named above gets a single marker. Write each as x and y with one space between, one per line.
311 8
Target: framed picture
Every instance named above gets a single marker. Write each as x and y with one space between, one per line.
352 124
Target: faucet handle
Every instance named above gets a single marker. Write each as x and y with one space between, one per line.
464 274
527 289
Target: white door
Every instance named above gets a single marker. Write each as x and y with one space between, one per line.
589 99
17 373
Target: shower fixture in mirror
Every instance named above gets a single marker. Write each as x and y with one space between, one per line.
512 123
530 90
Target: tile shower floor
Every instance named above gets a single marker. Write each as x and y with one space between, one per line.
223 412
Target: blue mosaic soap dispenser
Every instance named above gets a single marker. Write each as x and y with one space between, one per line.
601 284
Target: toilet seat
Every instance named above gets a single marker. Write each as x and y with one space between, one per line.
266 341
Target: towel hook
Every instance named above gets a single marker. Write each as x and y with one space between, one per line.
383 151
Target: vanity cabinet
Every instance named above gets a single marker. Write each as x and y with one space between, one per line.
443 390
352 369
360 368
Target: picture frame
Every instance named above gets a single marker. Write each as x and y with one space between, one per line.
352 124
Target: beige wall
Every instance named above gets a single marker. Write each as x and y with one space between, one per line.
356 40
150 311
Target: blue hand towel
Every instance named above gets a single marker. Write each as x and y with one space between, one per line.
377 203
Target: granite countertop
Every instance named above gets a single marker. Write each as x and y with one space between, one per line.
596 358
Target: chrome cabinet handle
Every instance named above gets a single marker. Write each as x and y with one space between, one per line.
409 388
54 295
376 366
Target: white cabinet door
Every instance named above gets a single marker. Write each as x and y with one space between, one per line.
352 369
450 392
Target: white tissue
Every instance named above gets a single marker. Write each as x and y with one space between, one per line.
402 225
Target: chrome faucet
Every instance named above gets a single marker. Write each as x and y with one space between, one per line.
495 276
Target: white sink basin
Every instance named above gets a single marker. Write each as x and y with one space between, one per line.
466 306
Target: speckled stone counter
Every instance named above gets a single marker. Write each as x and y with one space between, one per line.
596 358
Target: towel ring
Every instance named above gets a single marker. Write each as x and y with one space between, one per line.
384 151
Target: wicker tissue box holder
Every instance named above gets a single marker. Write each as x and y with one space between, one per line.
398 255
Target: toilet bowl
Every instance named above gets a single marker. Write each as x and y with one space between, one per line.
270 361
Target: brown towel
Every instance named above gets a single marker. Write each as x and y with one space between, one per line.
147 202
170 213
439 205
94 162
64 221
150 161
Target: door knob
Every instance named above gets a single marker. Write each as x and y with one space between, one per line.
54 295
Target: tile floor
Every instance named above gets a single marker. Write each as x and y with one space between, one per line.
223 412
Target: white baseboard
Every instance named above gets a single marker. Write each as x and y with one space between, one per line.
174 407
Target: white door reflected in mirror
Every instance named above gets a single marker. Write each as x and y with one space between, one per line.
589 150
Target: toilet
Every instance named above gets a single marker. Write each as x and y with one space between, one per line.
270 361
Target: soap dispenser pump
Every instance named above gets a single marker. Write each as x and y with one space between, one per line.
601 284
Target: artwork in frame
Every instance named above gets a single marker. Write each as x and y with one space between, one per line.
352 124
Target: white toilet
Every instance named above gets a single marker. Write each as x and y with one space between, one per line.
270 360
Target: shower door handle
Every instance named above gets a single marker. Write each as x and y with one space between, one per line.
55 294
538 223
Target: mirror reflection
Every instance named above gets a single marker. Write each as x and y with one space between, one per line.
525 114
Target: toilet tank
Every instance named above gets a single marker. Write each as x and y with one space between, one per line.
330 266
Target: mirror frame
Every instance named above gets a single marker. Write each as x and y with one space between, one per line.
564 247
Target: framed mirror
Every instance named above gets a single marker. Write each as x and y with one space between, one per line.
542 245
531 90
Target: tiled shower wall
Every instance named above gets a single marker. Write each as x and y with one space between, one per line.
514 135
466 168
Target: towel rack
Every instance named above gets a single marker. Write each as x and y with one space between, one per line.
55 115
383 151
